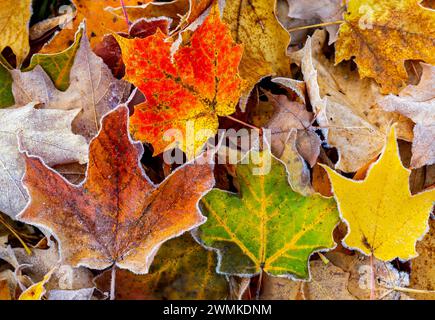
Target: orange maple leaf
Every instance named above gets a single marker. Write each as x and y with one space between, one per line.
117 216
188 92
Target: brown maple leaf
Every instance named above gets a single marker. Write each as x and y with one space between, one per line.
117 216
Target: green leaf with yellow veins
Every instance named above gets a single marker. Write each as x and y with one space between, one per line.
267 226
58 65
6 96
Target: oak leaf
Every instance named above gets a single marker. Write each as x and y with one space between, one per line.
384 219
268 226
117 216
93 88
253 23
181 270
14 26
382 35
99 22
417 102
45 133
188 93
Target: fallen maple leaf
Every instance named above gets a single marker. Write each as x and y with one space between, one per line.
117 216
45 133
99 22
418 103
201 84
268 227
181 270
93 88
254 24
382 34
14 26
384 219
346 106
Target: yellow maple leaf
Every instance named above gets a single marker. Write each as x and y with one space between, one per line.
254 24
382 34
384 219
14 26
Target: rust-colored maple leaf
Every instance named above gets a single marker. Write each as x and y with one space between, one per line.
199 84
117 216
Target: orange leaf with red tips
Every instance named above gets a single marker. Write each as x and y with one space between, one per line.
117 216
187 92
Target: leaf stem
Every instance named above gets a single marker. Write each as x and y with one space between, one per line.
124 11
372 278
113 283
11 229
244 123
324 24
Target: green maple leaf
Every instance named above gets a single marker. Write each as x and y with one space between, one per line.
267 226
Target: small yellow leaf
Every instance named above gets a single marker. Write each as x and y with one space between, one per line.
37 291
383 217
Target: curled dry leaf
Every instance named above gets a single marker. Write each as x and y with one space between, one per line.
418 103
359 283
58 65
291 115
64 277
268 227
345 106
45 133
181 270
93 88
382 34
117 216
378 208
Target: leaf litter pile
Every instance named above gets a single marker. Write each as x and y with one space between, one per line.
332 198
